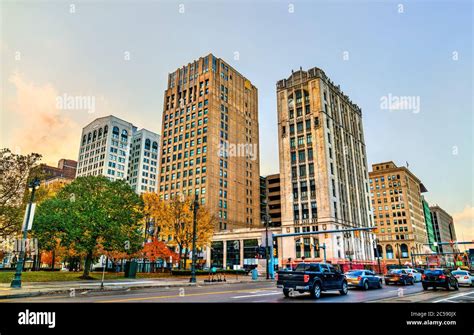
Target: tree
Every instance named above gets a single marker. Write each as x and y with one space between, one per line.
90 214
45 243
174 218
15 171
155 250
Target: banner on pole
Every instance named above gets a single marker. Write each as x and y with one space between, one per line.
30 221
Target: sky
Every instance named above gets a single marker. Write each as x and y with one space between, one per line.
119 54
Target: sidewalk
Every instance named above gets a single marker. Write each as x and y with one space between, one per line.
80 287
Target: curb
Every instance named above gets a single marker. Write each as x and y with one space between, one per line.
120 289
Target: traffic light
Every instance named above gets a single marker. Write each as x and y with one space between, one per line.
316 246
274 252
356 233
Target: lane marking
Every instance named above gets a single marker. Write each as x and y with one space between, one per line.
454 296
81 296
176 296
256 295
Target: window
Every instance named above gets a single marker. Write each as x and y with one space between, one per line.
404 250
300 140
389 251
115 132
292 142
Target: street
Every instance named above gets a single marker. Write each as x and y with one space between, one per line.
259 292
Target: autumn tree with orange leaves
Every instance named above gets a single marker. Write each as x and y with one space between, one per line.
155 250
174 218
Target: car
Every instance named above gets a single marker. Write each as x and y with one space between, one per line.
416 275
399 276
363 279
463 277
313 278
439 278
420 270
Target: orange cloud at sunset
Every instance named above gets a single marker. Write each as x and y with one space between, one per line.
35 124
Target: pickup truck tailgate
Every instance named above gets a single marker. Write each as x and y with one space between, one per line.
290 278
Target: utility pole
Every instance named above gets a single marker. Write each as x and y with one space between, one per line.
193 264
399 259
266 246
16 282
267 220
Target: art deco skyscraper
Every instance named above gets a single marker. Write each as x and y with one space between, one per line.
210 141
323 169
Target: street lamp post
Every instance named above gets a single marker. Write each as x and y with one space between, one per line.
412 257
193 264
16 282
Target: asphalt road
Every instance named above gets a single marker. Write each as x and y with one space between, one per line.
260 292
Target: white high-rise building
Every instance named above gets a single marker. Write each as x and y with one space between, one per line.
115 148
143 164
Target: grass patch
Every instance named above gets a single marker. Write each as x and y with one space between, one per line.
48 276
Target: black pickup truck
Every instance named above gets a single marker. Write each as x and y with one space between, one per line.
312 278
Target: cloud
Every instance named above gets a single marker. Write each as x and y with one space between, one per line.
464 224
36 125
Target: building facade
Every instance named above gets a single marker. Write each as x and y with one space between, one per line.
323 170
65 172
106 149
429 224
143 163
273 198
398 213
210 141
443 228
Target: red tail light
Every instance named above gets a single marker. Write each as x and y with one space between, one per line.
423 276
466 277
359 277
442 277
306 278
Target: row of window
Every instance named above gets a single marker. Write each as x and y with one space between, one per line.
302 212
184 184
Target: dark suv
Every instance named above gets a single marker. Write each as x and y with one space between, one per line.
439 278
312 278
399 276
